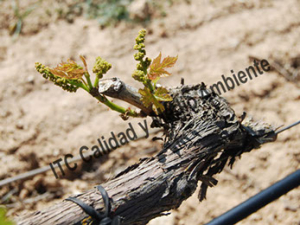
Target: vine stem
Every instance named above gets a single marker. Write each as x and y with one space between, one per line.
91 90
80 85
117 108
87 76
96 81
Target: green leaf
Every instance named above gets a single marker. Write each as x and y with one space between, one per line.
3 218
149 99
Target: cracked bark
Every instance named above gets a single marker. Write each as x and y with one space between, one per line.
202 135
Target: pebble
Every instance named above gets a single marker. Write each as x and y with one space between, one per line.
23 194
20 125
139 9
30 79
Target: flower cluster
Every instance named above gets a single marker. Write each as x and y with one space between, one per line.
141 68
70 76
101 67
149 72
65 83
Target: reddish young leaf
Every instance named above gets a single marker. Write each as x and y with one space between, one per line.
68 70
84 62
157 68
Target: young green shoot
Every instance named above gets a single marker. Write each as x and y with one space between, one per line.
70 76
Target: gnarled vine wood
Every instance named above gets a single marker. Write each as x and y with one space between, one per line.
202 135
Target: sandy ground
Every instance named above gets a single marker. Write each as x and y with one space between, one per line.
40 123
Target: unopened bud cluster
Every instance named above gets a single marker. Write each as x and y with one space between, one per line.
141 68
101 67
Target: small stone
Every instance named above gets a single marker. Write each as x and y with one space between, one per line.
37 181
30 79
255 217
23 194
56 152
52 182
139 10
291 208
252 167
20 125
4 113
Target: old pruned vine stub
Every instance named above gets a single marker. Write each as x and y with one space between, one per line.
198 144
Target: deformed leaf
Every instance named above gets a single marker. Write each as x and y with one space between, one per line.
68 70
149 99
158 107
157 68
162 94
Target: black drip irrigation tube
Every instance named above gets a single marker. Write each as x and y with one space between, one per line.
258 201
